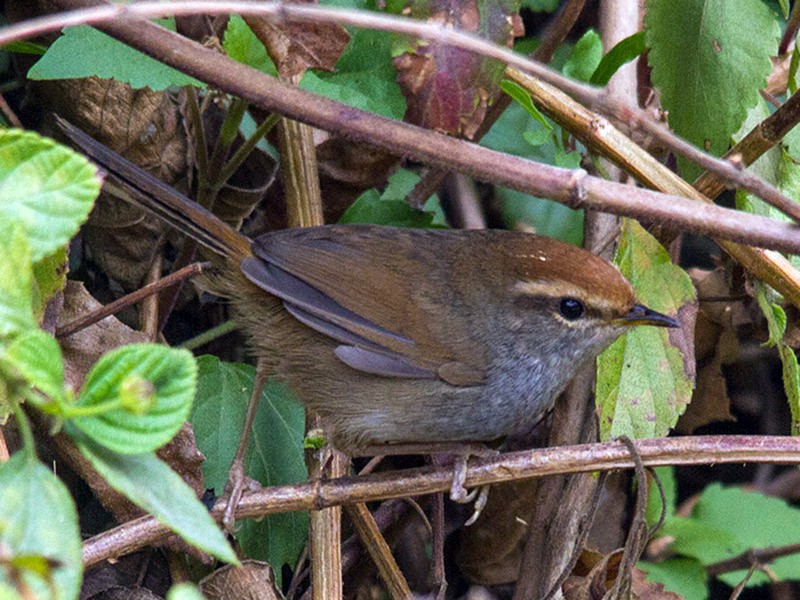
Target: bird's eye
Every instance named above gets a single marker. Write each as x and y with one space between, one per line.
570 308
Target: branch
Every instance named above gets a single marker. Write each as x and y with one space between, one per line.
748 558
572 188
110 17
585 458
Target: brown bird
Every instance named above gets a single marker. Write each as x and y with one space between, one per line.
399 336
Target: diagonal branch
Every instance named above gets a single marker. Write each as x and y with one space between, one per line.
105 16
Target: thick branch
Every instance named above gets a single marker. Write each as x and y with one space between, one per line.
481 163
102 15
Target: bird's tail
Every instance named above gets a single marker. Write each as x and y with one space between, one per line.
138 187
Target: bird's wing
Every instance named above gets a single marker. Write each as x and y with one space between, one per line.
355 285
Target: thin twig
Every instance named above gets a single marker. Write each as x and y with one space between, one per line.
379 551
751 556
636 541
130 299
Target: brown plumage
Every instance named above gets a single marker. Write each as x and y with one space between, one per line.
409 335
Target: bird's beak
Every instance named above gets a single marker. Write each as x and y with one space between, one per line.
641 315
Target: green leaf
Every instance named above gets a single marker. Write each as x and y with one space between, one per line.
544 216
36 358
243 46
778 166
83 51
644 382
791 80
38 520
116 423
217 417
540 5
585 57
776 323
699 539
152 485
400 183
371 208
748 520
364 78
49 277
184 591
23 47
709 65
521 95
684 576
16 275
46 188
274 457
666 476
624 52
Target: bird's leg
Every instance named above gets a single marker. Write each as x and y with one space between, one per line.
461 451
236 476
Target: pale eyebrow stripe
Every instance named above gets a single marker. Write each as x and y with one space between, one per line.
562 289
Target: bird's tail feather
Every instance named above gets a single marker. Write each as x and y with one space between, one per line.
140 188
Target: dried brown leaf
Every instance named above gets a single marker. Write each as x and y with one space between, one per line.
296 47
253 580
147 128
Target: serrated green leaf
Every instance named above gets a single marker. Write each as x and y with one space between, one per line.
172 373
150 484
46 188
684 576
274 457
585 57
16 276
36 358
83 51
709 66
38 519
622 53
644 382
364 77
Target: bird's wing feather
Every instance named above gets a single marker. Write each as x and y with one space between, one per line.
328 277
